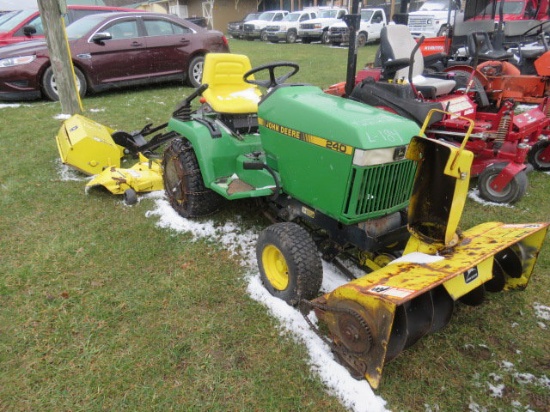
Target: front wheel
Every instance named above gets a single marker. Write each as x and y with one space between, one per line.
183 183
325 37
194 72
49 85
263 35
291 36
513 191
443 31
290 266
361 39
539 155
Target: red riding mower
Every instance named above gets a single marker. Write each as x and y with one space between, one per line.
500 140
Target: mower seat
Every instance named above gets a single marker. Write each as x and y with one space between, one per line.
396 45
227 92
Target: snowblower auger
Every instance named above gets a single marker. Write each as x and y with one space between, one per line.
374 318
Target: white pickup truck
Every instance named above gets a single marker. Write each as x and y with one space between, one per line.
287 29
255 29
370 27
317 29
433 18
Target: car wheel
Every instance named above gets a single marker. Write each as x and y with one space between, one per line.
49 85
194 72
361 39
325 38
290 266
291 37
263 35
443 31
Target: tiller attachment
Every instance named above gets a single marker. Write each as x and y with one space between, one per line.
374 318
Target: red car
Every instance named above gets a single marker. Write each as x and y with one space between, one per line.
26 24
112 50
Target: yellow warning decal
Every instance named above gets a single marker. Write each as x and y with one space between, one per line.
306 137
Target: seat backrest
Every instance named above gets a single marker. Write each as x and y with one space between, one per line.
397 42
227 91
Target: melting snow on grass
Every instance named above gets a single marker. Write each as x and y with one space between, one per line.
474 195
355 395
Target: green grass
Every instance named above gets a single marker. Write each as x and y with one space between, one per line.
102 310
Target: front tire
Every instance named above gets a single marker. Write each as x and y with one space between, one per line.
291 36
325 37
511 193
290 266
194 72
183 183
361 39
49 85
536 158
263 35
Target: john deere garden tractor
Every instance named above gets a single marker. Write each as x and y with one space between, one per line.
337 176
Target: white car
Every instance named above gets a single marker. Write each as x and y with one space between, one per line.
287 29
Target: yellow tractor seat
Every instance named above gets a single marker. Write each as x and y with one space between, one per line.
227 91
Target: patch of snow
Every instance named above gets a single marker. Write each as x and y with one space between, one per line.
496 391
542 311
96 110
62 116
11 105
474 195
474 407
355 395
68 174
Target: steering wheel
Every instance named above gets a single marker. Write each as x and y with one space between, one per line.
273 81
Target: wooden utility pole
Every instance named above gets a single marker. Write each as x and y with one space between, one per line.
52 12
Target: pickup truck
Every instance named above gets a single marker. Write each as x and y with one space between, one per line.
317 29
255 29
370 27
287 29
434 18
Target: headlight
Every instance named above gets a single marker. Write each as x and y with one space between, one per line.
17 61
257 27
318 26
378 156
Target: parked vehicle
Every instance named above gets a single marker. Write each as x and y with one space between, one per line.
25 25
434 18
317 29
235 28
255 29
287 29
112 50
372 21
516 10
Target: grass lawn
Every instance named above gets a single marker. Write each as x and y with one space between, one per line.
100 309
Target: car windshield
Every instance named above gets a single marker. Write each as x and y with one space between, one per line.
510 7
292 17
266 16
435 6
79 28
11 20
326 14
366 15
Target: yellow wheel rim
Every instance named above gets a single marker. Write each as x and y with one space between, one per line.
275 267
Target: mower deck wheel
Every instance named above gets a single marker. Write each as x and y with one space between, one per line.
130 197
290 266
510 194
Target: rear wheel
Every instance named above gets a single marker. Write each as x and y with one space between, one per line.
537 157
194 72
183 183
290 266
513 191
49 85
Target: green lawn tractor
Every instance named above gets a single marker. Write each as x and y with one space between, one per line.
342 181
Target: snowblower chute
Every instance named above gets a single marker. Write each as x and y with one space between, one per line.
374 318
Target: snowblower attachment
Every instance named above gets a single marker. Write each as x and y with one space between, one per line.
374 318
